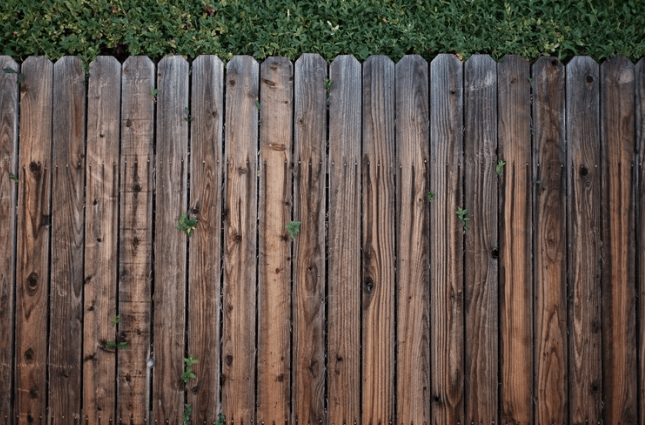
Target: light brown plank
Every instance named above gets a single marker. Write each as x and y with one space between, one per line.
619 242
344 294
66 285
239 333
413 238
32 268
101 231
550 344
515 245
8 198
171 177
639 72
481 261
446 241
274 292
310 166
583 228
135 239
379 168
204 273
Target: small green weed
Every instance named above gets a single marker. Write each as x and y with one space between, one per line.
499 166
530 81
188 117
221 420
186 416
119 345
187 225
257 105
154 93
13 178
328 86
115 321
431 196
462 217
293 228
188 372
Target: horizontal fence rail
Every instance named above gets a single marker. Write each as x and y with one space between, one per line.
377 243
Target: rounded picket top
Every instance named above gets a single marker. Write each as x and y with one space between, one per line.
141 66
409 60
7 62
617 70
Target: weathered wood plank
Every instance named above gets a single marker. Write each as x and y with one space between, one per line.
135 239
101 231
274 292
171 177
583 228
378 170
639 72
412 237
310 166
619 242
204 273
8 195
446 241
344 293
32 265
549 246
515 245
239 332
481 258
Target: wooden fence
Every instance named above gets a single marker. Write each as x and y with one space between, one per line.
383 308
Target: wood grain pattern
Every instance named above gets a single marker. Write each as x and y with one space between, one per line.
447 349
240 226
171 177
32 264
412 242
344 292
378 169
481 257
584 239
639 73
310 167
515 245
619 242
135 239
66 287
204 260
549 246
8 198
274 292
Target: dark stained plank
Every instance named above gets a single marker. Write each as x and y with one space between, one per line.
639 72
481 258
412 236
619 241
446 241
8 194
171 177
344 293
32 264
66 282
240 225
378 171
135 239
515 268
274 292
207 106
308 306
549 239
101 231
583 229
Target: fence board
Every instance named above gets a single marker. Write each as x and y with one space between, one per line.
412 242
379 168
481 252
135 239
446 240
171 170
32 264
344 299
639 72
619 243
550 344
583 228
239 332
8 195
310 166
204 273
516 284
66 288
274 286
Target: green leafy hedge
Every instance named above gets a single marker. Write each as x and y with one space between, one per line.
530 28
